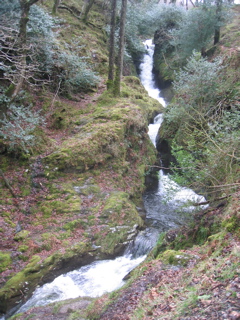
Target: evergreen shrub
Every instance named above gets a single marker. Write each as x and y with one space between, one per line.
17 128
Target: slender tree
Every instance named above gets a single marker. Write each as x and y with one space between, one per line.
22 43
55 6
117 80
85 9
112 44
218 20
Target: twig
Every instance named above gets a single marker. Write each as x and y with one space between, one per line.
207 202
12 192
56 92
68 9
7 184
166 62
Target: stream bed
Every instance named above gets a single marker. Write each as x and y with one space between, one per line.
167 206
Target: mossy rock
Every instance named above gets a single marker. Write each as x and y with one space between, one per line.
120 209
87 189
23 248
37 270
231 220
5 260
22 235
87 149
112 240
74 224
71 205
176 258
19 282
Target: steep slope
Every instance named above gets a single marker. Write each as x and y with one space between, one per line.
86 177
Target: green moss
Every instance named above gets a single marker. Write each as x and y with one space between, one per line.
46 236
74 315
5 260
18 281
23 257
231 224
72 204
202 234
88 189
5 214
175 257
182 241
112 239
64 235
77 250
23 248
25 192
46 211
73 224
22 235
34 271
115 202
87 149
10 222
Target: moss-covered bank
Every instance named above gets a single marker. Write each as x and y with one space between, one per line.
84 191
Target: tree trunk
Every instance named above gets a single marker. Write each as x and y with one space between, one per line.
218 19
112 45
117 81
55 6
22 43
86 8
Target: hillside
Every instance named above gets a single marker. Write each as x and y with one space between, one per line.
85 177
78 198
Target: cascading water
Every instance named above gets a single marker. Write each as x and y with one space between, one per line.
167 203
146 75
162 206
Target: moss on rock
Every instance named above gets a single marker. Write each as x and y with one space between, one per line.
177 258
22 235
5 260
37 270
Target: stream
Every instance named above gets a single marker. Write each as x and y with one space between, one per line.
166 206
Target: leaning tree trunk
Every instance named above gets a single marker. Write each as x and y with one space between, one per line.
55 6
85 9
22 44
112 45
117 80
218 19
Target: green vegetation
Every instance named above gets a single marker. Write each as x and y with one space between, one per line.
17 129
74 157
203 127
5 261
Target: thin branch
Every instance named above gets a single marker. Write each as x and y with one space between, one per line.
225 185
166 62
65 7
7 184
59 85
211 201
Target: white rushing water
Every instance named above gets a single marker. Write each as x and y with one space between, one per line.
162 207
146 75
92 280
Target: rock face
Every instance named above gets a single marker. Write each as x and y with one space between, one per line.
164 149
163 73
163 146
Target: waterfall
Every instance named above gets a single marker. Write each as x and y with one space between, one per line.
146 75
166 208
